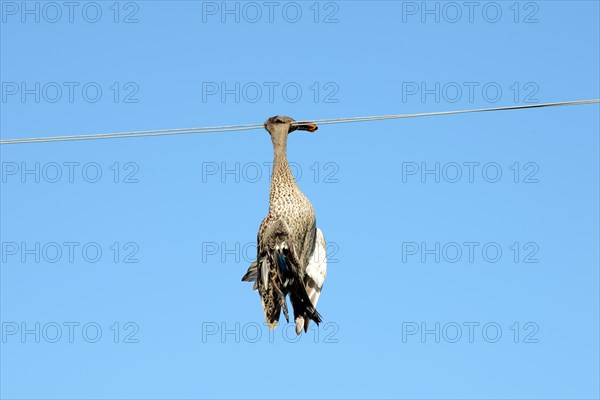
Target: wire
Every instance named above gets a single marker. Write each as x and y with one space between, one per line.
429 114
232 128
180 131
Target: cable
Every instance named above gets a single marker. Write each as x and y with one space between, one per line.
180 131
231 128
429 114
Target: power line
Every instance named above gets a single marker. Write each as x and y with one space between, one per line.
180 131
232 128
429 114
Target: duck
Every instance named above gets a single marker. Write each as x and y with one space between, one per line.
291 251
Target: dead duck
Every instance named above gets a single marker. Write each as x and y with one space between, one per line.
291 257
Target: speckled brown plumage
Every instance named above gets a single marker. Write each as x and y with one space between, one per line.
286 237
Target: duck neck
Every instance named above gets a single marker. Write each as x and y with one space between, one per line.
282 175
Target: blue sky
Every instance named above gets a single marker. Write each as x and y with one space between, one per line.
463 250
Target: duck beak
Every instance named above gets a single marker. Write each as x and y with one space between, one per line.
306 126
